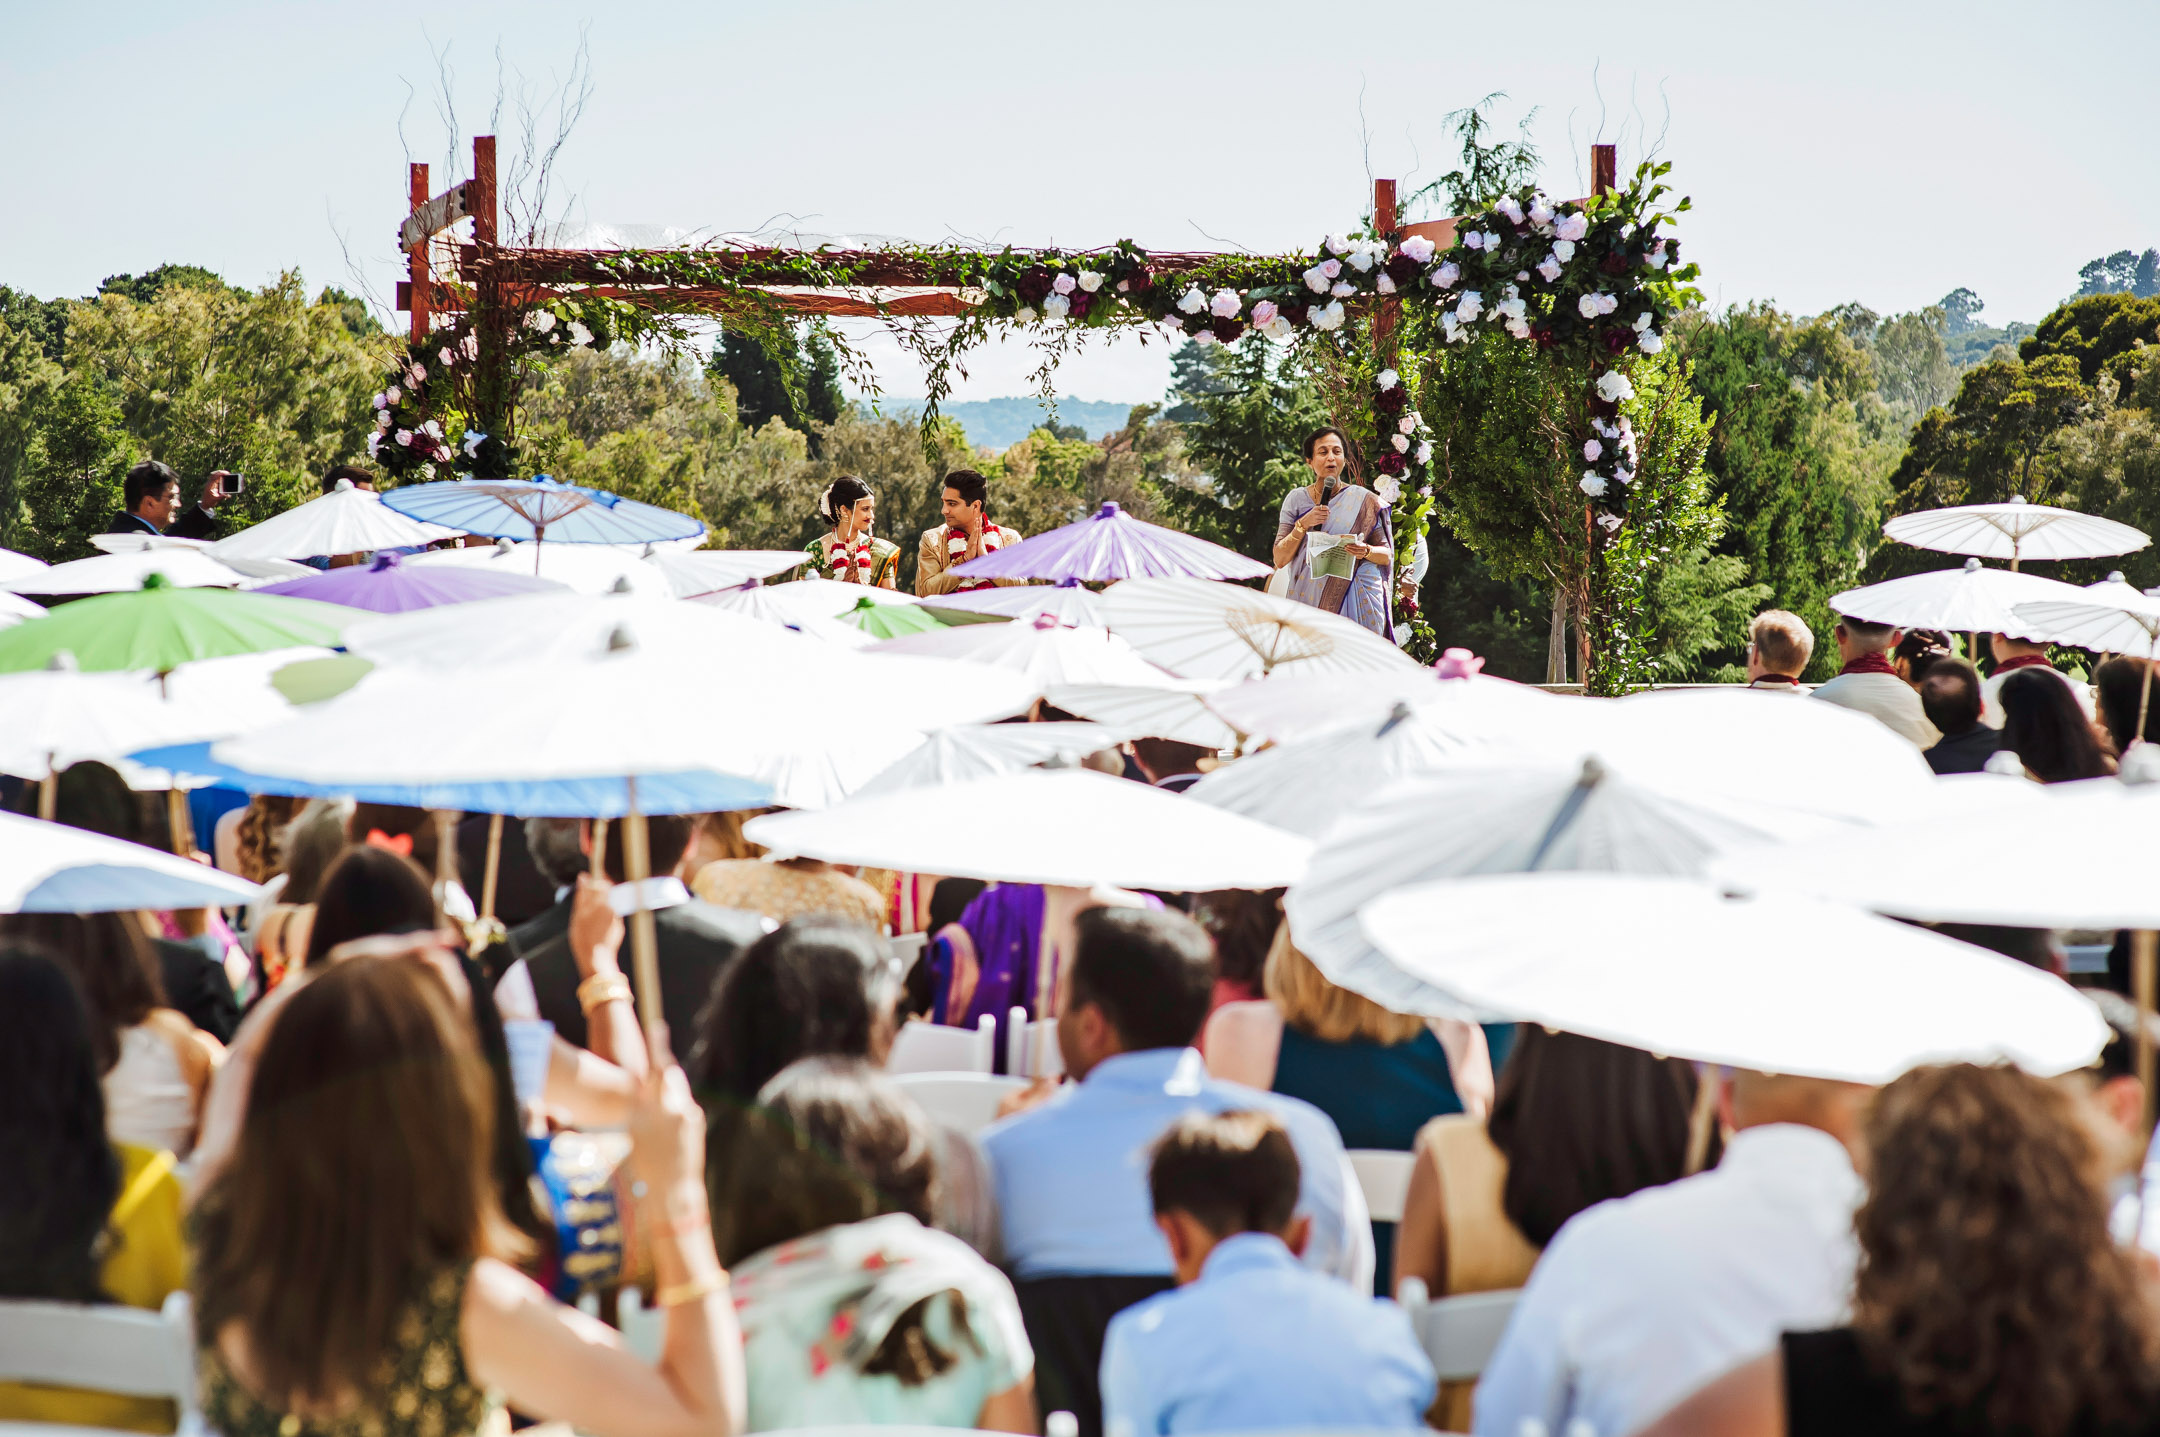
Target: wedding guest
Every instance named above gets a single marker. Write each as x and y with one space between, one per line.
1168 764
1251 1339
1242 924
156 1065
560 849
784 888
150 500
82 1218
357 476
967 533
1078 1234
1869 683
1918 652
1328 505
2014 655
1379 1076
413 833
1990 1299
1638 1302
521 890
2046 730
1779 647
255 830
310 844
1950 696
340 1273
847 551
1575 1122
2122 689
855 1309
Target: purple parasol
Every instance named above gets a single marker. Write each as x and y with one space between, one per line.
1111 544
388 587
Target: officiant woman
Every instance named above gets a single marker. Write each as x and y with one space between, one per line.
1332 506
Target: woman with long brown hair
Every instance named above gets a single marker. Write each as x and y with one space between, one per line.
351 1273
1990 1299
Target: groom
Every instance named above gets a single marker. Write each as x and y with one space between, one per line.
966 534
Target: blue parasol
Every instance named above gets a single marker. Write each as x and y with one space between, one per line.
540 509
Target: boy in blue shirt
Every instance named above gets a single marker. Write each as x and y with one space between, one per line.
1251 1339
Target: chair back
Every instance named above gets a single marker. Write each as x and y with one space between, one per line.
921 1047
1385 1178
1458 1333
105 1348
964 1102
1031 1049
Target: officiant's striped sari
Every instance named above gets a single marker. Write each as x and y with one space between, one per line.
1363 597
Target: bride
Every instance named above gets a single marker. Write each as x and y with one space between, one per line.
848 552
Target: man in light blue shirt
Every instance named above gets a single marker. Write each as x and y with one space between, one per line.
1071 1175
1251 1340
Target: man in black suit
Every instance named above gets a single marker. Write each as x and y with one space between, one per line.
151 494
695 941
1950 696
557 848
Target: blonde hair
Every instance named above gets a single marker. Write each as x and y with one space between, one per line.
1319 1009
1783 640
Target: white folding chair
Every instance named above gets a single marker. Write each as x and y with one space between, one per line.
964 1102
921 1047
106 1349
1385 1177
1458 1333
1031 1049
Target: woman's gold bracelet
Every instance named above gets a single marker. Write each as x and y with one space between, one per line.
693 1291
602 988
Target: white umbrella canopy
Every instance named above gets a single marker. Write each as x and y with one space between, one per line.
51 718
813 598
1045 653
956 755
254 572
585 568
1971 599
693 572
1776 984
1170 708
1067 603
14 609
2015 531
183 568
569 626
1509 816
2106 622
769 604
819 775
51 868
1072 826
344 521
2114 586
14 565
2008 852
1289 705
1203 629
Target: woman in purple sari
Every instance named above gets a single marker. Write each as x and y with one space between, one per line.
1329 506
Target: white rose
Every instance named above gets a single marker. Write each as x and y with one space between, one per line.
1408 424
1593 484
1362 261
1625 476
404 436
374 443
1384 285
579 334
382 420
1401 443
393 394
1574 226
1330 317
382 401
1387 379
1192 301
1343 289
1473 240
1470 306
540 321
1340 244
1057 306
1388 487
1331 267
1563 250
1519 328
1263 313
1592 451
472 346
1225 304
1419 248
1278 329
1656 258
1063 284
1540 212
1613 387
1090 281
1511 207
445 358
1024 315
1206 339
1424 454
417 374
1447 274
1316 280
1649 342
1610 523
1642 321
433 429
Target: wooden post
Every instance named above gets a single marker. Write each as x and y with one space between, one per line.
1384 318
480 198
417 263
1604 168
490 390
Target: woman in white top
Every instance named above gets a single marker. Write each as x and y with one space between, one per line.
157 1065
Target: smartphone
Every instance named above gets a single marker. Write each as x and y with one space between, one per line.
234 481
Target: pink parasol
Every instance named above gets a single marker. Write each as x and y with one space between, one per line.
1111 544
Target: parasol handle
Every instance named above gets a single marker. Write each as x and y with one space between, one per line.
1702 1118
644 938
176 820
494 862
599 848
445 858
2143 945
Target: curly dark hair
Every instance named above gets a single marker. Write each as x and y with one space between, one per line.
1989 1289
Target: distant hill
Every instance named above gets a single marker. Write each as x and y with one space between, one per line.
998 423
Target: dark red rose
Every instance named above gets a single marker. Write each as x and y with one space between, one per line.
1033 286
1293 310
1081 302
1403 269
1613 264
1604 408
1228 330
1616 339
1389 401
1542 333
1391 463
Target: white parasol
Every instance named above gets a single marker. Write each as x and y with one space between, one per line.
1289 705
14 609
1204 629
1170 708
254 572
51 868
1972 599
1043 651
2110 621
586 568
691 573
1067 603
121 573
2015 531
1776 984
1072 827
14 565
971 751
813 599
344 521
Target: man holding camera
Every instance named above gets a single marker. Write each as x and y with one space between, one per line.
151 494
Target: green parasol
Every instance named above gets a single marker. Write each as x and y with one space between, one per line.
159 627
891 621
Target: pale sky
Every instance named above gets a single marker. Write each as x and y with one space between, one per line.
1881 151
